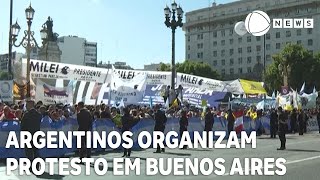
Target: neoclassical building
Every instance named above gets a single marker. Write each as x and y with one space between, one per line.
210 36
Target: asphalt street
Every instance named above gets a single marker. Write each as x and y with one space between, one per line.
302 161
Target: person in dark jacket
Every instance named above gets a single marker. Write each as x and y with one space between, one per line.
183 124
301 119
160 123
273 123
31 123
293 121
318 118
282 120
209 121
231 120
127 123
85 120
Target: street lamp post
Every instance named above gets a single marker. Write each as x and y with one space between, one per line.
28 41
172 23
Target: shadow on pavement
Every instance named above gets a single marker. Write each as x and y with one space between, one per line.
302 150
177 154
48 176
134 157
101 167
267 138
205 150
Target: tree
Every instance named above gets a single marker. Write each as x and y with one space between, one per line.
302 64
194 68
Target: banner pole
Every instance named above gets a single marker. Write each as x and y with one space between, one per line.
109 100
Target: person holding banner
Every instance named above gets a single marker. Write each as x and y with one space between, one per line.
31 123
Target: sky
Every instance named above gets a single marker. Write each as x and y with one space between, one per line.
131 31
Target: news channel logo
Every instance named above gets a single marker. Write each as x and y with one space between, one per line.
258 23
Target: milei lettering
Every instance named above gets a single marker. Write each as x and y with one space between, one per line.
126 74
189 79
44 67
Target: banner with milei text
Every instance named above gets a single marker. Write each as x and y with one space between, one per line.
186 80
54 70
153 77
130 91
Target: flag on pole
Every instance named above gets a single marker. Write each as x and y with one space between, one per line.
175 103
167 104
238 124
121 103
302 88
273 95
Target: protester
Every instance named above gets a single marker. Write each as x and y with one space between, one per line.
18 114
85 124
293 121
160 123
231 120
7 114
302 119
183 124
273 123
127 124
318 118
31 122
282 120
208 124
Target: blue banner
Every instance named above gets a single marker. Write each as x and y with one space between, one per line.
192 95
195 125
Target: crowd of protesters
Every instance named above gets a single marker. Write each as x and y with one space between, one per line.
56 112
125 118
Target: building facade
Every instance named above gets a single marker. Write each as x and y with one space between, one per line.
116 65
210 35
4 60
152 67
74 50
79 51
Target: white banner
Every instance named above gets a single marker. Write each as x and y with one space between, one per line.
131 91
309 101
153 77
186 80
52 95
53 70
6 91
233 86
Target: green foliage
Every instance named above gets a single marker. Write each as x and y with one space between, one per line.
194 68
304 68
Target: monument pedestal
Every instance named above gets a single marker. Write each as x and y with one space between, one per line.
50 52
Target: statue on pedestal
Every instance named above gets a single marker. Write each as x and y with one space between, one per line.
51 36
50 50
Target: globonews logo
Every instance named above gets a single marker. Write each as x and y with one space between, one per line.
258 23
